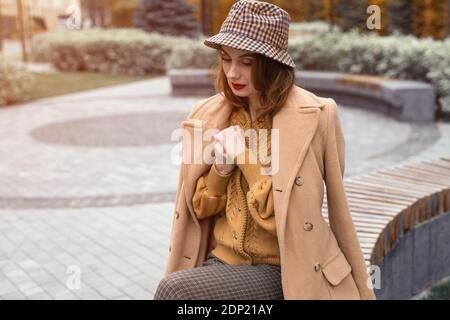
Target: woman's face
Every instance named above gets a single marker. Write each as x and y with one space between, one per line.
237 66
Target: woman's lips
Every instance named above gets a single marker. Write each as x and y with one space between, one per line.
238 86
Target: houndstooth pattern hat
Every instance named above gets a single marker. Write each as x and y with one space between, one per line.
257 27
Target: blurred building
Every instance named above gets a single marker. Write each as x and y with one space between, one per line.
39 15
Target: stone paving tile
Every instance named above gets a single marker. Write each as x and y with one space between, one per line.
90 294
40 296
29 288
118 280
66 295
102 200
105 271
41 276
15 295
109 291
136 292
17 276
123 298
55 289
6 287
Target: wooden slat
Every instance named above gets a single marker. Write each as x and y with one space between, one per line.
383 188
360 199
377 196
431 171
415 177
388 202
398 182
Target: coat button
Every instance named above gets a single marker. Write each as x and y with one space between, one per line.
177 214
299 180
170 248
308 226
317 267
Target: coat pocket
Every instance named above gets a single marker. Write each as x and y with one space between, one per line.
336 268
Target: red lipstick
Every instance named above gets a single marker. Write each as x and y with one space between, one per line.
237 86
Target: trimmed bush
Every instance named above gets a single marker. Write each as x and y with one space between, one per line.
397 56
192 54
15 81
112 51
308 28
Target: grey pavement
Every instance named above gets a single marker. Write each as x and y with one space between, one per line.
89 180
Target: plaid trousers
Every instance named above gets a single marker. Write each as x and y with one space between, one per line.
217 280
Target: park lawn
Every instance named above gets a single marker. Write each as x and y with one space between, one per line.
55 84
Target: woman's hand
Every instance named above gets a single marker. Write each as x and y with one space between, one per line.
229 143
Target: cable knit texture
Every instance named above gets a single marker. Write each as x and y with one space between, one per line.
245 229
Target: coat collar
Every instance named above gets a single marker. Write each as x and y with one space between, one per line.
302 98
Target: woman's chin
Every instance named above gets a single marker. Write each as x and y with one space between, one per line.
240 93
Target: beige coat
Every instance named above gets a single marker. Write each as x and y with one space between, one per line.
318 261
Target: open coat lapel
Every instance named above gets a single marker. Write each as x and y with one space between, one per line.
194 147
297 124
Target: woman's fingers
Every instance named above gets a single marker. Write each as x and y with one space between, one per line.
231 142
219 153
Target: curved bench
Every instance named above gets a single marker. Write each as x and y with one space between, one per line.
403 99
387 204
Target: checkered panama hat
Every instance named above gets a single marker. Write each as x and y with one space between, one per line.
257 27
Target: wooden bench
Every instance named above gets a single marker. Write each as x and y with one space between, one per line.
404 100
387 204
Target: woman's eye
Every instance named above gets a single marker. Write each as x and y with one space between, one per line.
244 63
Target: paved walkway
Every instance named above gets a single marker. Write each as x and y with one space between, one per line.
88 185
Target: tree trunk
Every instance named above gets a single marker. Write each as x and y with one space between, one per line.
1 30
447 19
22 30
331 15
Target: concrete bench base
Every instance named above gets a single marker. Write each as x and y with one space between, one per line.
411 101
420 259
191 82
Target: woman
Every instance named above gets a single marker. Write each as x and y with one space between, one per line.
247 229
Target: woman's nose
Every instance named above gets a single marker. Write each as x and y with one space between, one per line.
233 72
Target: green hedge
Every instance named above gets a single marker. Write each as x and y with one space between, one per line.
192 54
313 27
15 82
112 51
397 56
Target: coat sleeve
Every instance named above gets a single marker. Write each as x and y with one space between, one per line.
210 195
260 195
340 219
